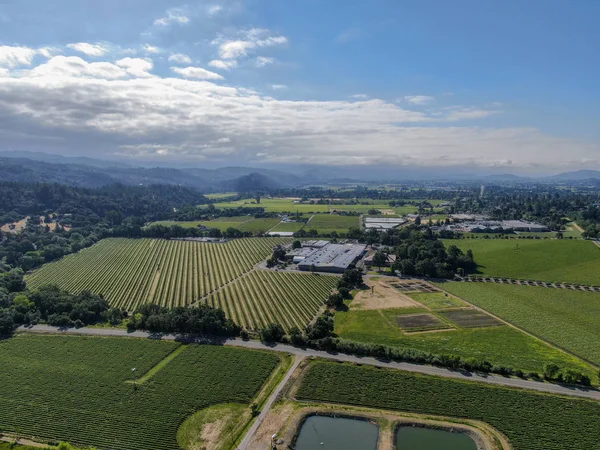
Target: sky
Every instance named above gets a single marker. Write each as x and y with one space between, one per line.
469 83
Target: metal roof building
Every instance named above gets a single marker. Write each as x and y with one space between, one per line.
383 223
333 258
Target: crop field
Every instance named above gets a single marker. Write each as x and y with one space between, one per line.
530 420
573 261
327 223
501 345
470 318
568 319
129 272
276 205
262 297
78 389
420 322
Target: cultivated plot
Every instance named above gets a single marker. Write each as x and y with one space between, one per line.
555 260
568 319
530 420
129 272
329 223
263 297
79 389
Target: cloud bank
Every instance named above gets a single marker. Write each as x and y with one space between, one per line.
121 107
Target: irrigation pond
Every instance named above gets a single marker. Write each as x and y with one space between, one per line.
335 433
419 438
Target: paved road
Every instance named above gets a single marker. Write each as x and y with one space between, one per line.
267 407
428 370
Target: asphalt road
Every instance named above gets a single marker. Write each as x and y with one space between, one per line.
427 370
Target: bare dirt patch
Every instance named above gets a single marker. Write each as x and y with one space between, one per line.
381 296
15 227
414 286
388 212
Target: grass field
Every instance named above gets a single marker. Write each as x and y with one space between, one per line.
530 420
263 297
258 225
170 273
289 226
277 205
75 389
568 319
573 261
501 345
242 223
328 223
221 195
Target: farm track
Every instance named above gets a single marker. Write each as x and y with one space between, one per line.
571 391
545 284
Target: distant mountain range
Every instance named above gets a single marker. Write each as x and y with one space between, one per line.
89 172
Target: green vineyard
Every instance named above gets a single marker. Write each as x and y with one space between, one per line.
262 297
79 390
129 272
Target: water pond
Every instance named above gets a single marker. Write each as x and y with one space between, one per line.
329 433
417 438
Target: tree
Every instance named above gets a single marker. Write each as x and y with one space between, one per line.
379 259
296 244
335 300
560 235
7 323
551 371
272 333
418 221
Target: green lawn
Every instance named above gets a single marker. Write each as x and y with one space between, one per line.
572 261
501 345
437 300
258 225
76 389
289 226
531 420
569 319
328 223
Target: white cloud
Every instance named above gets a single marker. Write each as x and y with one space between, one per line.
359 96
419 99
175 15
262 61
150 49
89 49
74 66
279 87
248 40
213 10
180 58
68 103
196 72
224 65
16 56
138 67
49 52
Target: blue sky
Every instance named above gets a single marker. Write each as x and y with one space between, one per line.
509 84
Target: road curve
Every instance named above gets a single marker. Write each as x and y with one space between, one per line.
427 370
